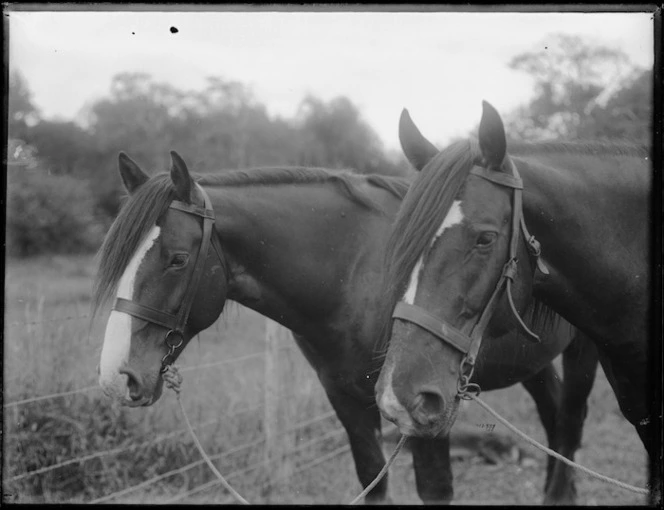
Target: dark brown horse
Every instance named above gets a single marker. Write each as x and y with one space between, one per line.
462 251
301 246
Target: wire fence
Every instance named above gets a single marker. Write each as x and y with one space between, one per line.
324 447
96 387
335 433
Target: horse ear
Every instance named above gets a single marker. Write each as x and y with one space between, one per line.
418 150
181 179
131 173
492 137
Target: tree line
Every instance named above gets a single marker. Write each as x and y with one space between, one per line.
62 179
63 187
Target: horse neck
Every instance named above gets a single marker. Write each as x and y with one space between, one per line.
291 247
591 217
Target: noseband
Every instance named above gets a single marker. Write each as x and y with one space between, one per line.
469 345
176 323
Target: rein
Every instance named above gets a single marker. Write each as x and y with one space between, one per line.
469 345
555 454
175 324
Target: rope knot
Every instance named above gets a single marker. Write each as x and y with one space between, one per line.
172 378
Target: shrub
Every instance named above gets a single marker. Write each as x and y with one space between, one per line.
51 433
49 214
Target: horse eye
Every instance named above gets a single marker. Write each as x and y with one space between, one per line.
485 239
179 260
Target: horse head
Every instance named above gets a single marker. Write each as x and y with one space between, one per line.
446 264
162 259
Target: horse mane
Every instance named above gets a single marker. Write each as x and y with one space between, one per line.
347 179
142 210
423 210
591 148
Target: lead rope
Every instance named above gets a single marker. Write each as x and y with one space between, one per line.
548 451
383 471
173 380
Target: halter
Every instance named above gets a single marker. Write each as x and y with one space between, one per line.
469 345
176 323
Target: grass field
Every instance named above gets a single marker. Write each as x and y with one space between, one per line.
48 349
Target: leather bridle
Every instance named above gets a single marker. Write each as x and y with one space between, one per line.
469 345
175 323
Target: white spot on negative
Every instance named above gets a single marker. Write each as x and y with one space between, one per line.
117 338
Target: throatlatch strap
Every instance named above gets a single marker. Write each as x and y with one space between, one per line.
517 222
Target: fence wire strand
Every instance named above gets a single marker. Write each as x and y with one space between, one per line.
164 437
230 452
48 397
40 398
182 469
323 458
260 464
130 447
48 321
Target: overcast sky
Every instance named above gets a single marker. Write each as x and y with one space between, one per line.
440 65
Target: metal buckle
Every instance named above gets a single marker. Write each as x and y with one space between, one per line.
168 336
510 268
464 387
534 246
166 360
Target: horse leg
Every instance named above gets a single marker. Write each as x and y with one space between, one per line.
580 360
362 423
433 469
631 393
545 388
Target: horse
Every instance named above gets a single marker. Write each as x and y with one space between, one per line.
302 246
484 236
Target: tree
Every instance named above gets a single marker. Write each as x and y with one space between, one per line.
333 134
140 117
22 112
49 213
626 114
572 79
64 147
222 126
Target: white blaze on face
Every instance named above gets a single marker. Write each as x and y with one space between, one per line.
409 296
454 217
117 339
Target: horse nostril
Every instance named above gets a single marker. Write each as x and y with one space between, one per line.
427 407
133 383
